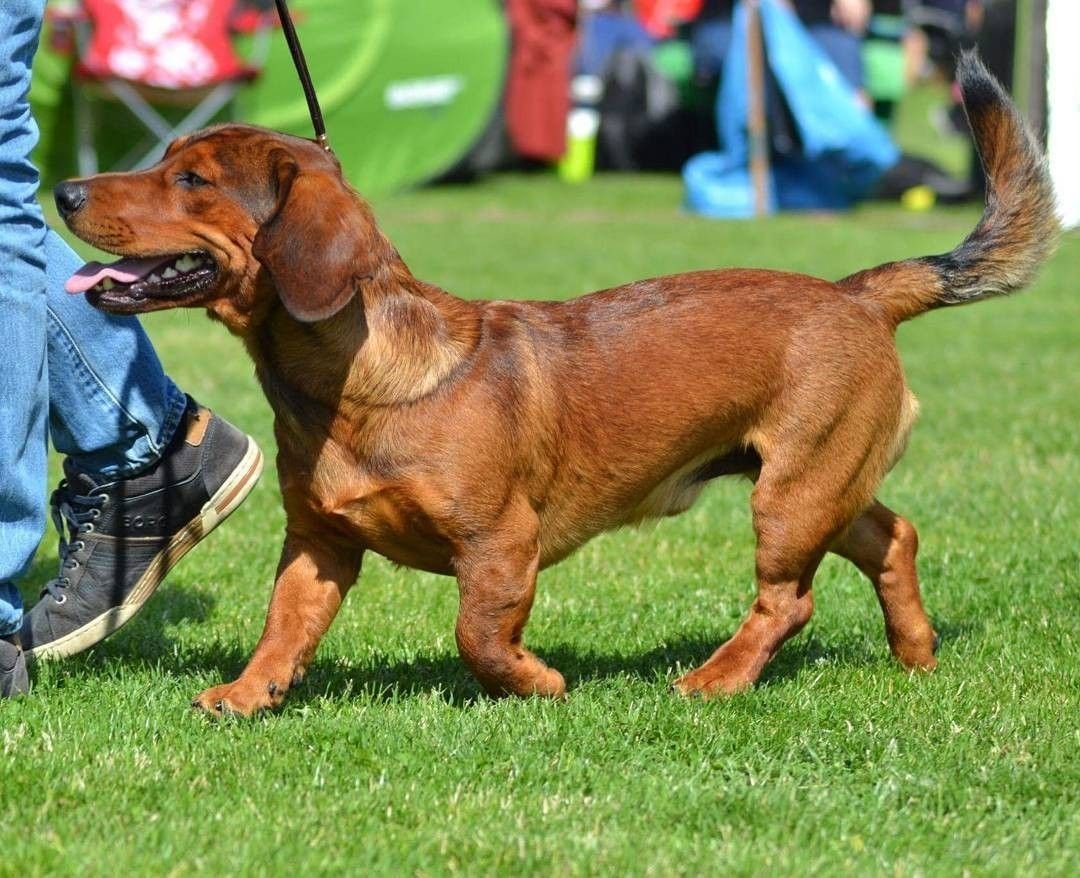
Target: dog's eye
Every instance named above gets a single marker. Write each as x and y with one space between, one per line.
191 180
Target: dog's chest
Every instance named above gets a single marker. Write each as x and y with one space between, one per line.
386 515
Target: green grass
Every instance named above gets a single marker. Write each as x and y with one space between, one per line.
390 761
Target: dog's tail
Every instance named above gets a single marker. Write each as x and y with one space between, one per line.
1018 229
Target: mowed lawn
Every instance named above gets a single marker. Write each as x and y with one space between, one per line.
390 761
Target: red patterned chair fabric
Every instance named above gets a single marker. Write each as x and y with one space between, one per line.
173 44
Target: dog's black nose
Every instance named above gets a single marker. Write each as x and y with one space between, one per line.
70 196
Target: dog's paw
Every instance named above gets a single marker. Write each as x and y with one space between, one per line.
239 699
549 683
535 680
708 682
917 653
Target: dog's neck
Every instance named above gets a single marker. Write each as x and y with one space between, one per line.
396 342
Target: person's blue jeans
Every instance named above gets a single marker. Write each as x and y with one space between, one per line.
602 34
91 380
709 41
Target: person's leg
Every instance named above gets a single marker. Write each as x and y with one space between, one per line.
844 50
10 609
710 40
23 377
23 381
148 473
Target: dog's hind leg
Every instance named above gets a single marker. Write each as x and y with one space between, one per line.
497 581
807 494
312 581
883 546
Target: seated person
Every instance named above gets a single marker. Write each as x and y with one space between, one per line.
837 26
605 28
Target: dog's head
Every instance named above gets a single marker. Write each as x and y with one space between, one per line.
228 220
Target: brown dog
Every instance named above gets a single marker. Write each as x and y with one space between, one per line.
487 440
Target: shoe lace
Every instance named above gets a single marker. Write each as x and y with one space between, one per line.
74 515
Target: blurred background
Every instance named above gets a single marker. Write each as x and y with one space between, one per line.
760 106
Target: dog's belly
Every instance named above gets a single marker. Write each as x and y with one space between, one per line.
429 556
674 495
563 530
421 522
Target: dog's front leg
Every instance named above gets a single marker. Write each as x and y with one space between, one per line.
313 578
497 581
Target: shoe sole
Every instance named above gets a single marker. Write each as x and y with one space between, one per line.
219 507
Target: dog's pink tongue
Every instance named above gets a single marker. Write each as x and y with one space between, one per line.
126 271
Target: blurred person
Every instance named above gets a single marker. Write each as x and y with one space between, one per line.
894 55
607 27
142 459
992 24
710 38
838 26
663 18
949 26
635 74
827 150
543 40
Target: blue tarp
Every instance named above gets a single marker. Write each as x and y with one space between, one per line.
844 149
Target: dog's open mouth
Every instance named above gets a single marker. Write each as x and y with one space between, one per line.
132 281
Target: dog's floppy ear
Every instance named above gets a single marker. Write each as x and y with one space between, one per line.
316 244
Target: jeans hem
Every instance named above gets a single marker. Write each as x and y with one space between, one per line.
14 608
143 453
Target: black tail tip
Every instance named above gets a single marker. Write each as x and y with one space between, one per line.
977 84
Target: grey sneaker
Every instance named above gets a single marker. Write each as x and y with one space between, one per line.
13 679
119 539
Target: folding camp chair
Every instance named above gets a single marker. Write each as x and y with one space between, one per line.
151 54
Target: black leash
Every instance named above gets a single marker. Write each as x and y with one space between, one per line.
305 76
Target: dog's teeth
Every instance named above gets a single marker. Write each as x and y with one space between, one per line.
169 273
185 264
107 284
154 279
